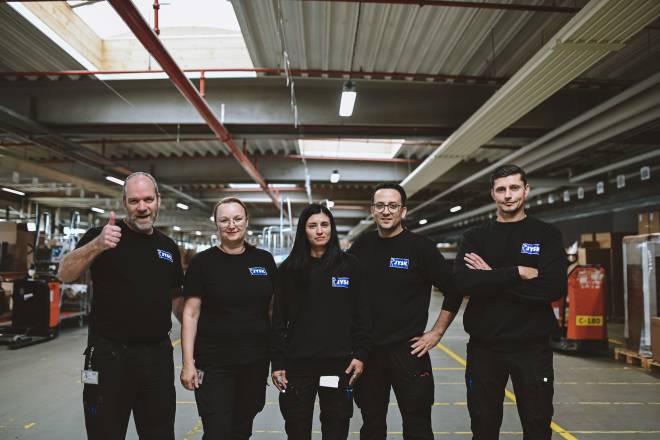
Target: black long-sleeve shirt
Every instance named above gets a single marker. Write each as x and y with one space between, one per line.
400 271
504 310
318 326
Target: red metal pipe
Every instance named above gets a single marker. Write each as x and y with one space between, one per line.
131 16
156 8
465 4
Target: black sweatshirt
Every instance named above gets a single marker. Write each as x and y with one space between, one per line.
236 291
319 326
400 271
505 311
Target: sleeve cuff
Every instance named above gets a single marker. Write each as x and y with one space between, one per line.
361 354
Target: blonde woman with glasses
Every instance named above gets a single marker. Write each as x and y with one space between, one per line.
226 320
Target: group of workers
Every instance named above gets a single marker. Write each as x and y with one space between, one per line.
343 326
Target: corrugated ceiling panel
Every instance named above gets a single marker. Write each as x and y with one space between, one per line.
25 48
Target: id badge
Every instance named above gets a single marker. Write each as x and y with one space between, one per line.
329 381
90 377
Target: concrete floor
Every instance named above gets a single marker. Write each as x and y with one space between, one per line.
595 397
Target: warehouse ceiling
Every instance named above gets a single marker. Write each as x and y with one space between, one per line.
69 117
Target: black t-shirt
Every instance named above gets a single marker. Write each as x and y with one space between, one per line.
399 272
133 286
236 291
318 326
505 311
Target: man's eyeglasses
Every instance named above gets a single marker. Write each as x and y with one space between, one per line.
380 207
225 222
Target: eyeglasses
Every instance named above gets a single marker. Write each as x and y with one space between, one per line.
225 222
380 207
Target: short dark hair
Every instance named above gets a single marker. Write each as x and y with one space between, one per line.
507 170
389 185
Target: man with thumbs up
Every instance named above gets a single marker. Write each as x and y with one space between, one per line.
137 277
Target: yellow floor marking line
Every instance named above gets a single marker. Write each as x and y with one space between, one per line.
502 433
195 430
555 427
176 342
29 425
615 341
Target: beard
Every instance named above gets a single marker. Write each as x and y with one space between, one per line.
141 224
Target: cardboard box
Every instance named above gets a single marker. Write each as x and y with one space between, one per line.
643 223
655 338
654 222
589 237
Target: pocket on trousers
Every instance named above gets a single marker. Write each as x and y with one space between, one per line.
416 385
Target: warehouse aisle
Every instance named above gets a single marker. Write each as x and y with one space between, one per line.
595 397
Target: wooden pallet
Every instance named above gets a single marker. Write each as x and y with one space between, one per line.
651 365
631 357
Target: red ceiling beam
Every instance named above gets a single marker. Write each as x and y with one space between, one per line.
131 16
312 73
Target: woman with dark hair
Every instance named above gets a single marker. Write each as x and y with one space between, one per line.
224 333
320 331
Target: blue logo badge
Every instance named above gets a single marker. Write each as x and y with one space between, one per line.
258 271
531 249
399 263
164 255
342 282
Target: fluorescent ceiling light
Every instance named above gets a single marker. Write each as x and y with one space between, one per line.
348 96
350 148
244 185
211 218
250 233
114 180
335 176
182 206
456 208
329 204
13 191
423 221
99 210
176 228
198 233
31 226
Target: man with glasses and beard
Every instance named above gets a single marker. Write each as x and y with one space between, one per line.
137 276
400 268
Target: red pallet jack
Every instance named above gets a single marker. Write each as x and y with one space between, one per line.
36 314
581 314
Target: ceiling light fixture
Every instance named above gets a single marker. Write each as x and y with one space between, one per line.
176 228
335 176
114 180
348 96
13 191
198 233
330 204
456 208
423 221
98 210
182 206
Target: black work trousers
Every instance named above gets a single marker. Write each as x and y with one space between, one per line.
136 377
229 398
412 380
297 407
486 376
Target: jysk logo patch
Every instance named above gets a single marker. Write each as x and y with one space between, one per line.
342 282
531 249
399 263
164 255
258 271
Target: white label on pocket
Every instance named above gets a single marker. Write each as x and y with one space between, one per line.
329 381
90 377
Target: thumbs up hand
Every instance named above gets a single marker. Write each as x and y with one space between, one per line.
110 235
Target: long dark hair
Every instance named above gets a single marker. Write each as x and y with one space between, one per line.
298 261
